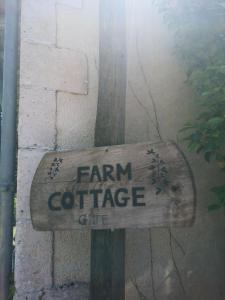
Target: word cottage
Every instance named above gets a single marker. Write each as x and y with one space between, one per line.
99 197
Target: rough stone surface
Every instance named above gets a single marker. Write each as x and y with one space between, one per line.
72 249
28 161
52 68
87 37
33 258
38 21
75 121
37 112
79 291
72 256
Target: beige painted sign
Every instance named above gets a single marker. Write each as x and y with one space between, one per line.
127 186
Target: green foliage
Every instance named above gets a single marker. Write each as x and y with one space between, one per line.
11 288
219 191
199 31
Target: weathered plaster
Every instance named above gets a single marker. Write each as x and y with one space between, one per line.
57 110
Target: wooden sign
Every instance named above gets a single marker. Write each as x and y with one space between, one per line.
128 186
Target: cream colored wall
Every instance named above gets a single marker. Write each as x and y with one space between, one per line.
57 111
185 263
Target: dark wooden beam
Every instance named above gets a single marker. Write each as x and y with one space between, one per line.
108 247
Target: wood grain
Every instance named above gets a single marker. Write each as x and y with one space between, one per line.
108 247
168 200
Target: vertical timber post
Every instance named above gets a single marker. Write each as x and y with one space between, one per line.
107 246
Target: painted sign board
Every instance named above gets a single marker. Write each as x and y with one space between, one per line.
128 186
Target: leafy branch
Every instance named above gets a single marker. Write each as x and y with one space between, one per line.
199 33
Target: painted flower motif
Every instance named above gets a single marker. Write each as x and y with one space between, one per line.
55 167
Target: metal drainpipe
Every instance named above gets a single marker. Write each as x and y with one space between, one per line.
8 142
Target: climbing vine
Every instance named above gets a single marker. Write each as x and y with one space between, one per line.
199 32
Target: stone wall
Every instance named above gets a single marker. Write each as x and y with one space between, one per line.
57 110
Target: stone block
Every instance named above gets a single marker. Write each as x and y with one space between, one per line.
72 256
33 262
79 29
52 68
38 21
75 121
28 161
78 291
86 39
36 126
71 3
36 295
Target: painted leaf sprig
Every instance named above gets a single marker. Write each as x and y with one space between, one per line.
159 174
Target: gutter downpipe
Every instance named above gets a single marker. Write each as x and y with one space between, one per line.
8 142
